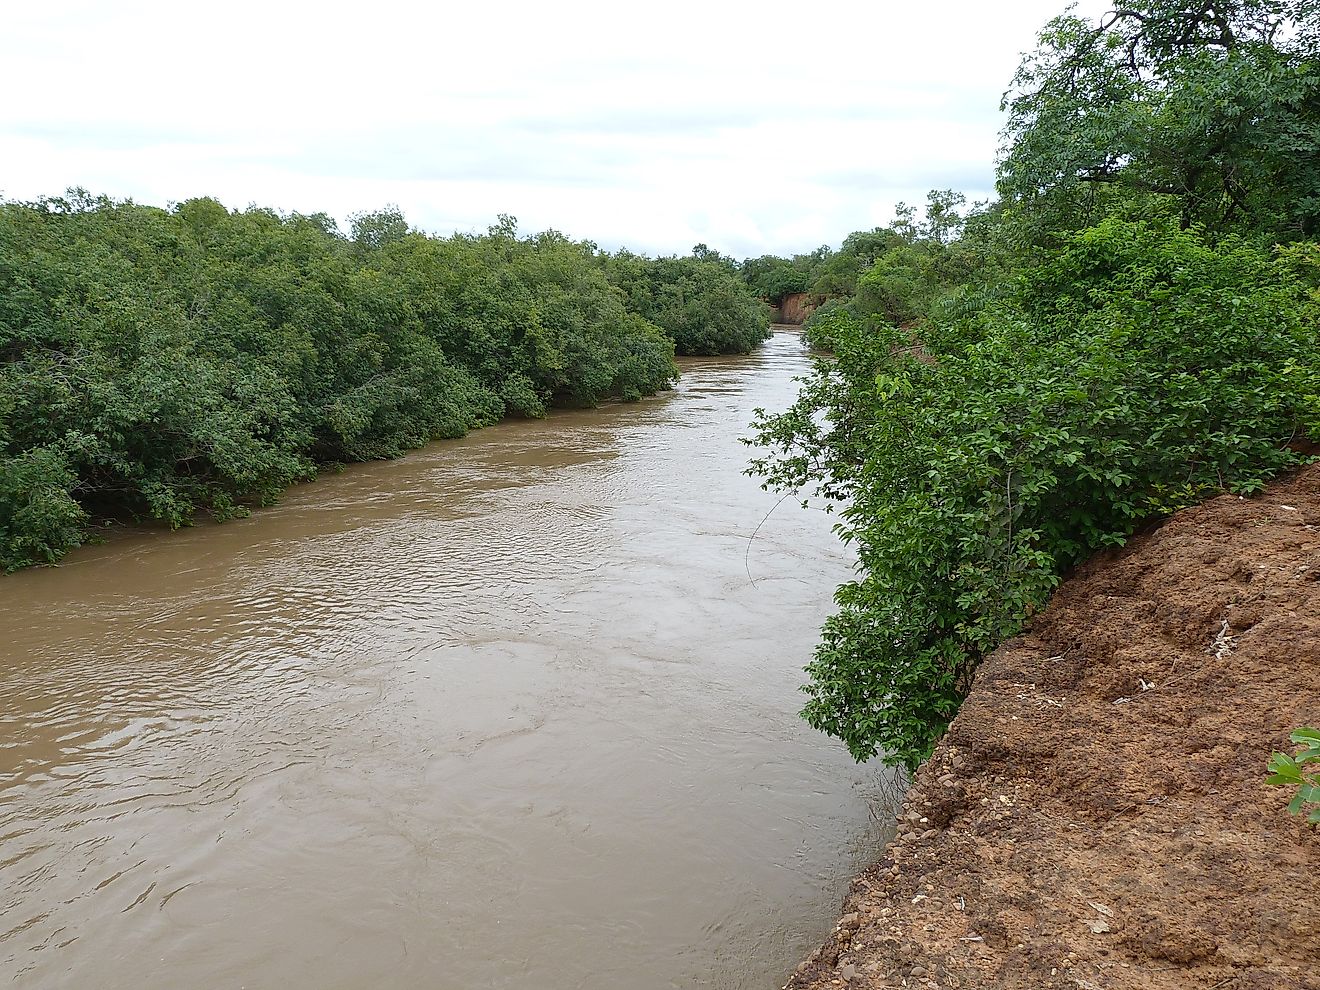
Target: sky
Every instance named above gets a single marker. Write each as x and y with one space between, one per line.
762 128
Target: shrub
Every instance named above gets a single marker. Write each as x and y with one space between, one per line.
699 304
1138 371
157 364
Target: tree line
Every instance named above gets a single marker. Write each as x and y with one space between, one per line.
160 363
1131 326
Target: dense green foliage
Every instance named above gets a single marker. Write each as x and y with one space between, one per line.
773 278
154 363
1013 390
834 275
698 301
1131 375
1215 106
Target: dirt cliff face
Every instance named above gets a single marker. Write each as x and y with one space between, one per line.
796 308
1096 816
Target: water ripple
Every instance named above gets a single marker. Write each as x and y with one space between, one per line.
515 684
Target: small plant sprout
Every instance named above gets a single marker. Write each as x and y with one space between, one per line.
1288 771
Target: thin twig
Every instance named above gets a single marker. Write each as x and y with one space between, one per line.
747 554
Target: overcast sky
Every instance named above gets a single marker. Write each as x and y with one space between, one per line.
753 127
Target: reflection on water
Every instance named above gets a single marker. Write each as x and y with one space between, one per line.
508 712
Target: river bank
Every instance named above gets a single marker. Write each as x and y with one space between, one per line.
1096 816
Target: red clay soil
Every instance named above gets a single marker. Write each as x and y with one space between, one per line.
1096 817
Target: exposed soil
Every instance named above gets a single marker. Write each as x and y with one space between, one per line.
796 308
1096 817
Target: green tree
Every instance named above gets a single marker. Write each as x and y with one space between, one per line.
375 230
159 364
1139 370
699 303
772 278
1210 112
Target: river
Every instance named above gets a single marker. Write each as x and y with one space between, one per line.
513 711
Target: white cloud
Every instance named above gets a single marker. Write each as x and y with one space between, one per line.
753 128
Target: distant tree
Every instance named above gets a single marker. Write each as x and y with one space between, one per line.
772 278
703 253
374 230
837 275
698 302
943 221
868 246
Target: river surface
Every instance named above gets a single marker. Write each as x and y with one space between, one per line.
514 711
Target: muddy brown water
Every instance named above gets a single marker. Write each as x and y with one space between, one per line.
508 712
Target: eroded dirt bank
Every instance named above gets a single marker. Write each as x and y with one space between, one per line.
1096 817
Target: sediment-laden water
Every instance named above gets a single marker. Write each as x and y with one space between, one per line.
514 711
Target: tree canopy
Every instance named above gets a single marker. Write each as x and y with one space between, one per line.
1213 108
160 363
1132 327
